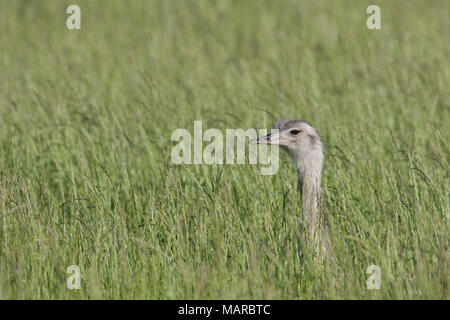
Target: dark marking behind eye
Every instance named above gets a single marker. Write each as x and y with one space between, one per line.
312 140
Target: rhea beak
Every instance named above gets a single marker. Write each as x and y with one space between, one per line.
271 138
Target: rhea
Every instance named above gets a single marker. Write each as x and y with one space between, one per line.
304 146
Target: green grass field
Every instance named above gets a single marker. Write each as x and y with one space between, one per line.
85 173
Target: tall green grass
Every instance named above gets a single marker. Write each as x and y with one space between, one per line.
85 171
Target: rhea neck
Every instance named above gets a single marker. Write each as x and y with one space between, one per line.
309 163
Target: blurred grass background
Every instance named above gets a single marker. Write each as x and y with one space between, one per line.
85 123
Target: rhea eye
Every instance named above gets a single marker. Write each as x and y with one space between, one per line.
294 132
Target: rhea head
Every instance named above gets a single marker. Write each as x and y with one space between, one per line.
301 141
